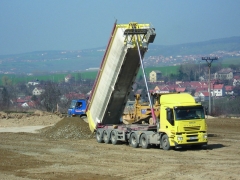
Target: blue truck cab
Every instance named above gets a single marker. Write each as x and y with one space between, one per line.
77 108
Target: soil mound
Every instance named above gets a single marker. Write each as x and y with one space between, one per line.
68 128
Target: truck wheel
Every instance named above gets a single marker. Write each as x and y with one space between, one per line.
114 137
144 141
106 137
165 142
99 137
133 140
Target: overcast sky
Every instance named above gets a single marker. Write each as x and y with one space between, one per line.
35 25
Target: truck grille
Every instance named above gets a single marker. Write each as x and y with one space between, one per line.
193 128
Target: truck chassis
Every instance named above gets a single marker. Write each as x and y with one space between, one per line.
136 135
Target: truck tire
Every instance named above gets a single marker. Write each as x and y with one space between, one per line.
165 142
144 141
133 140
106 137
99 136
114 137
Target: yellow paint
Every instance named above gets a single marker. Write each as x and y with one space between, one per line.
92 125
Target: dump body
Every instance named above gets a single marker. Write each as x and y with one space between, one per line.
77 108
117 73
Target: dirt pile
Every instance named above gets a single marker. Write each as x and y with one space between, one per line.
68 128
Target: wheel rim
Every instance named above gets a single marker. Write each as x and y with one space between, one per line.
98 135
105 135
113 135
165 143
134 141
144 141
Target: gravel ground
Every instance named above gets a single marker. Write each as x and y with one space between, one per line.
66 149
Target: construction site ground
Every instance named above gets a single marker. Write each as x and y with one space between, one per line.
51 147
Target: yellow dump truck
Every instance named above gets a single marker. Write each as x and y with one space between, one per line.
181 120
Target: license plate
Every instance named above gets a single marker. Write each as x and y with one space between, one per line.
193 138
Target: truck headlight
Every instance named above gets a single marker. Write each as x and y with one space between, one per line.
179 138
204 136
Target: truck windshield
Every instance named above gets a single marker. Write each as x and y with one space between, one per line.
187 113
73 103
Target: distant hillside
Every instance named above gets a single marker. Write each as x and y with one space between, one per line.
70 61
205 47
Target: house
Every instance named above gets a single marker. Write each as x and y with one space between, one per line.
236 81
37 91
21 100
33 83
224 74
199 90
161 89
180 89
28 105
25 102
204 96
197 84
217 90
68 78
155 76
229 90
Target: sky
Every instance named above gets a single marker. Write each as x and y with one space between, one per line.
39 25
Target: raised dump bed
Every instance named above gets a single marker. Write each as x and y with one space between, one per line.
117 73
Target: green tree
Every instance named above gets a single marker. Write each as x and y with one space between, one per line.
191 76
5 99
180 73
51 96
6 81
34 98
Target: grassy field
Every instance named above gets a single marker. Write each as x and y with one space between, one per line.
59 77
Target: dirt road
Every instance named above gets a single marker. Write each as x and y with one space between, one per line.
67 150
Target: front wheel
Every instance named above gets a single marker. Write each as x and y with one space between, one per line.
165 142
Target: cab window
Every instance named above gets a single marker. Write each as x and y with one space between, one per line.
170 116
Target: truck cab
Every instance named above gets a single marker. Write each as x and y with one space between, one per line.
77 108
182 121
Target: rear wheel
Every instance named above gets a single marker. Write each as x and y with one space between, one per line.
114 137
133 140
144 141
106 137
99 136
165 142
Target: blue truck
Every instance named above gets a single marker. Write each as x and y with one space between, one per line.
78 108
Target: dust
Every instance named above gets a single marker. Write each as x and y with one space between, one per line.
68 128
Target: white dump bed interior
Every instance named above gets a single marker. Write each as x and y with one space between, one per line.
116 76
